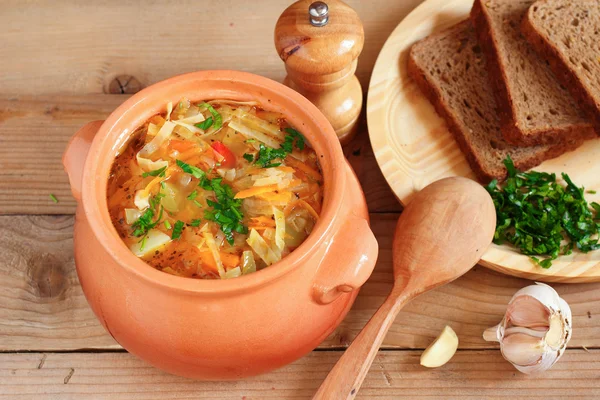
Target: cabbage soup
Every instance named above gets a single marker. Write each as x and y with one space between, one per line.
214 190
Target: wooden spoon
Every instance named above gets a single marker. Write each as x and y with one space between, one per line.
440 235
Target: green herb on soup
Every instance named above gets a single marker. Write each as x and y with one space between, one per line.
215 190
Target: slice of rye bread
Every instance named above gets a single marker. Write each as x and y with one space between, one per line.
567 33
450 69
534 108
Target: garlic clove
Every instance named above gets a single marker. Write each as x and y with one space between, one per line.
522 349
548 359
441 350
556 332
527 311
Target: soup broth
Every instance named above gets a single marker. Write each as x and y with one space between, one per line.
215 190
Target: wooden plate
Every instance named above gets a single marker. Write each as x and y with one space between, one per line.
414 148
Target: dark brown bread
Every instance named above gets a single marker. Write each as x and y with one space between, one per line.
567 33
450 69
534 108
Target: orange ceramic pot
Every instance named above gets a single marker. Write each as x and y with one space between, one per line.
211 329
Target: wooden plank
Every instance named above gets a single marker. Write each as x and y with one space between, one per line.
155 40
35 130
42 306
394 374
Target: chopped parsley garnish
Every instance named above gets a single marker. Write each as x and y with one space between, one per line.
293 136
542 217
266 155
190 169
53 198
218 120
196 222
155 201
156 172
144 223
177 230
192 195
227 210
207 123
248 157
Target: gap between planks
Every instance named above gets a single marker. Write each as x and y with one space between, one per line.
42 306
394 374
318 349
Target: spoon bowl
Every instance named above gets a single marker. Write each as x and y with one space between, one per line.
440 235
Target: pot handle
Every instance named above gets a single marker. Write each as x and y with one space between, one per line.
347 266
75 154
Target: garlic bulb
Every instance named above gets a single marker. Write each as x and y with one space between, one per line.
535 329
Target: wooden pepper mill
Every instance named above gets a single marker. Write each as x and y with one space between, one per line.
319 43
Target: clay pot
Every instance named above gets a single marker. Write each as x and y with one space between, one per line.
212 329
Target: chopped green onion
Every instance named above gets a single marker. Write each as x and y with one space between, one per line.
196 202
207 123
156 172
216 116
143 242
167 224
192 195
53 198
591 191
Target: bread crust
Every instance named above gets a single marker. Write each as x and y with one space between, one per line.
512 132
434 95
560 66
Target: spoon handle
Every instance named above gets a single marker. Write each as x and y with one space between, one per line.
347 375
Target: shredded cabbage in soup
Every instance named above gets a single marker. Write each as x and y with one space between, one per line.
215 189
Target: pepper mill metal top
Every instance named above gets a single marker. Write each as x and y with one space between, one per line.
320 42
318 37
318 13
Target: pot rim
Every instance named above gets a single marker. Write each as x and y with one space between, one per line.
96 171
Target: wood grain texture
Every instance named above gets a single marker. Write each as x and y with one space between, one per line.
34 132
31 169
414 147
106 39
395 374
426 255
81 46
42 306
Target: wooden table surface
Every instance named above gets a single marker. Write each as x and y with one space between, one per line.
57 62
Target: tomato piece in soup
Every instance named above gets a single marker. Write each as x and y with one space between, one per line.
228 156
